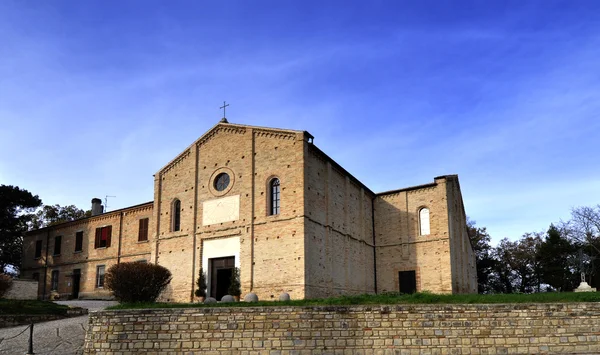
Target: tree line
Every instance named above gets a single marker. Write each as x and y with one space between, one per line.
541 261
21 211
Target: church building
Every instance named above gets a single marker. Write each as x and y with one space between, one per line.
271 203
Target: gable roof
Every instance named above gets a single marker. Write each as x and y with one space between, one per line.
233 126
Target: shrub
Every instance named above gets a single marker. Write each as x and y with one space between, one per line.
201 283
235 287
137 282
5 284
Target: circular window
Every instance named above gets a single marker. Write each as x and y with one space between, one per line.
221 181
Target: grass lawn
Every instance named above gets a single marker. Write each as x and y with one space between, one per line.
389 298
14 307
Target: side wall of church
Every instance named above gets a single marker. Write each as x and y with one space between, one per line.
338 230
124 246
271 248
464 270
399 245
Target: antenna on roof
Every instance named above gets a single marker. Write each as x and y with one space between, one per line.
106 202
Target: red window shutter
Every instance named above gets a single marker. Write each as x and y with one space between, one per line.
109 233
98 236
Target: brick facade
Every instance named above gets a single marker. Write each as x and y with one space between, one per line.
332 235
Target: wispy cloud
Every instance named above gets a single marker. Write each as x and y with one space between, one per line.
396 94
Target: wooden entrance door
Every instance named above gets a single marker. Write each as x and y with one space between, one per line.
221 270
76 283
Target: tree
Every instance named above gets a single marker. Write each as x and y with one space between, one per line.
558 257
518 264
485 263
50 215
235 287
584 229
16 207
201 284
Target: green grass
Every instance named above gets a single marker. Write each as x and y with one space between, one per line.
14 307
389 298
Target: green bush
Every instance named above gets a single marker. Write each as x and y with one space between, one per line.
5 284
235 287
137 282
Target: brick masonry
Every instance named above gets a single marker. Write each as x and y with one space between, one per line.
22 290
394 329
332 236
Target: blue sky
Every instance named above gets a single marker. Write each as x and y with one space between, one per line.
96 96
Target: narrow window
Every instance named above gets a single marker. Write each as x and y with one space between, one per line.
143 232
54 281
57 244
100 276
103 235
176 215
424 221
79 241
38 249
275 194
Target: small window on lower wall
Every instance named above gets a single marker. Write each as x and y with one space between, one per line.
100 276
54 281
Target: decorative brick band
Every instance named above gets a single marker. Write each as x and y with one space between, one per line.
398 329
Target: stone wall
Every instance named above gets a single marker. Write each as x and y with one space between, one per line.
397 329
8 320
22 290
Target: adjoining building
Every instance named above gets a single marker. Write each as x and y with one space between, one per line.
270 202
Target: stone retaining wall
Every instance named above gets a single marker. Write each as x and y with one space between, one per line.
7 320
22 290
398 329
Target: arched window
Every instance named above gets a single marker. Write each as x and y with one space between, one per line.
176 216
424 221
275 196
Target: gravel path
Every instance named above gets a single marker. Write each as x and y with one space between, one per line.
62 337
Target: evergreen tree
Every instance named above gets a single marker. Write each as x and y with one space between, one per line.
485 262
201 284
16 207
559 261
235 287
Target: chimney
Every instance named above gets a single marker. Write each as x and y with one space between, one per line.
97 207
